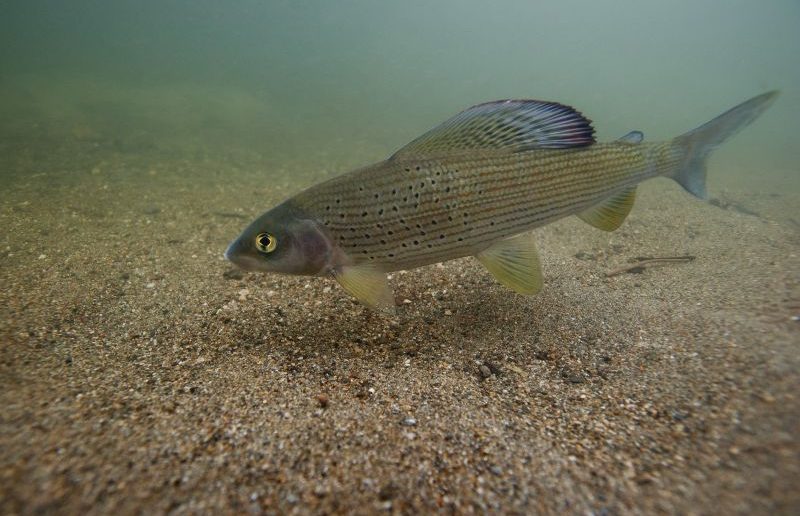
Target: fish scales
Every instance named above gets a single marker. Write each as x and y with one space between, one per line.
402 214
474 185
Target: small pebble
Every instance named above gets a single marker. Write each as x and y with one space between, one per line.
409 421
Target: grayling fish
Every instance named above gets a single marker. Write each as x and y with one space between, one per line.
474 186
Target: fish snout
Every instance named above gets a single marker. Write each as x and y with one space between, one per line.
237 254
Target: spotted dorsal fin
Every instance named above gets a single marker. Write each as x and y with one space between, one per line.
507 125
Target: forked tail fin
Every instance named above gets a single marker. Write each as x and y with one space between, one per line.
698 143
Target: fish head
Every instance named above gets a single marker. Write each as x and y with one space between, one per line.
282 240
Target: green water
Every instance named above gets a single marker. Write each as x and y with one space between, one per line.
349 82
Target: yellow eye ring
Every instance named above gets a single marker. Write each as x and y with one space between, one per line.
266 243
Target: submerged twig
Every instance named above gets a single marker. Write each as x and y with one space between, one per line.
643 262
726 203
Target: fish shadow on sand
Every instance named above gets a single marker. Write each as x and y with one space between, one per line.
464 320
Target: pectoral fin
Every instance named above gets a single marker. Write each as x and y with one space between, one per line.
514 263
609 214
367 284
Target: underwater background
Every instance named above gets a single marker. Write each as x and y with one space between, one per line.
358 79
141 372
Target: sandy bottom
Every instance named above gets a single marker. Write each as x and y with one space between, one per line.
139 371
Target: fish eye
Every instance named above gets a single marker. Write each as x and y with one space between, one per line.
266 243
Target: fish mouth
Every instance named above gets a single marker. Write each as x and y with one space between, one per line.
242 260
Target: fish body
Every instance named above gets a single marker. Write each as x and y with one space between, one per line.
474 186
413 212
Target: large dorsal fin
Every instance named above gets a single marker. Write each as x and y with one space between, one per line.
508 125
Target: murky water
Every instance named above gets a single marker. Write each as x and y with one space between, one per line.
357 80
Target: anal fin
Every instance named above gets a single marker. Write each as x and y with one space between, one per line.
514 263
368 284
609 214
